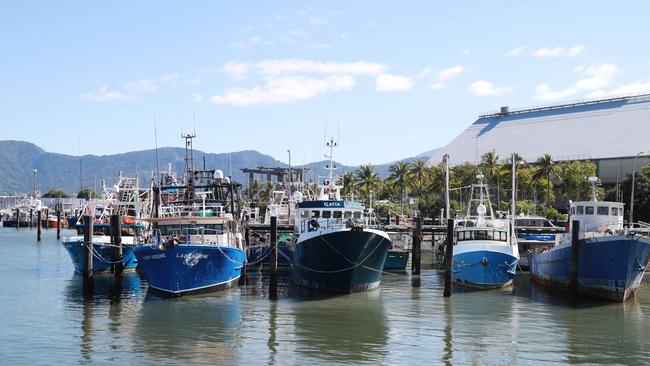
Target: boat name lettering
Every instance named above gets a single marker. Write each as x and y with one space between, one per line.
191 256
155 256
332 204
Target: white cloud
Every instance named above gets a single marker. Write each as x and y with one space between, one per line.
449 73
389 82
198 98
144 85
516 51
314 20
104 95
235 69
575 50
549 52
593 77
241 43
426 72
285 89
302 66
485 88
637 87
319 46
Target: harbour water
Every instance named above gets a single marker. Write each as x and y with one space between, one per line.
45 320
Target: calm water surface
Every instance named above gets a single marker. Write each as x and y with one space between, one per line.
45 320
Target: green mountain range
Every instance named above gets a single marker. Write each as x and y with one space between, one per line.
18 159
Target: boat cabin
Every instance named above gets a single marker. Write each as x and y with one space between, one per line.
323 215
465 235
596 215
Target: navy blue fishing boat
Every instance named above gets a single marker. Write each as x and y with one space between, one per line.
197 244
335 250
612 258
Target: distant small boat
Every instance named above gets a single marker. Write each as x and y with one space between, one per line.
612 258
396 260
51 222
534 233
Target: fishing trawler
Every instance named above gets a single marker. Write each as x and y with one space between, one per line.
197 245
485 250
126 199
612 258
23 207
335 250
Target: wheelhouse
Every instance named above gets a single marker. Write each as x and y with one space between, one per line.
473 234
322 215
597 216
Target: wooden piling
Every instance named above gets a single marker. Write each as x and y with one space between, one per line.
88 255
273 281
38 226
31 218
116 249
575 253
17 218
47 218
58 224
416 248
449 254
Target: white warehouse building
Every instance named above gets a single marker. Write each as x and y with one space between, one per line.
609 132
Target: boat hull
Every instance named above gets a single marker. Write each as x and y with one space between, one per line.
396 260
187 268
340 260
102 259
14 223
484 266
608 268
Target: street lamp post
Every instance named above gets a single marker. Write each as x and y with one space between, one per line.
290 175
632 193
34 187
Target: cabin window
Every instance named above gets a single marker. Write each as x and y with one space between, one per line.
580 210
573 210
304 214
490 235
503 236
589 210
347 214
614 211
603 210
357 215
315 214
480 235
327 214
337 214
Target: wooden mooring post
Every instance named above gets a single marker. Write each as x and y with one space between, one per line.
116 247
575 254
31 218
58 224
416 248
17 218
273 281
88 256
449 255
47 218
38 225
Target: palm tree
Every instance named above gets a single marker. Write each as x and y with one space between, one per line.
349 184
398 174
419 175
546 168
491 167
254 190
368 178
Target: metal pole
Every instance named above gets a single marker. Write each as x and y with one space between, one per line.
449 254
273 282
446 157
632 193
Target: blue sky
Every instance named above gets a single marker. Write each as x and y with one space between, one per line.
396 78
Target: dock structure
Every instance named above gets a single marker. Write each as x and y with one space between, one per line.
280 174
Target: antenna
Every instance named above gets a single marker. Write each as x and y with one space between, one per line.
155 134
331 144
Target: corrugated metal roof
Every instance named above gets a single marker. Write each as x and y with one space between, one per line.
609 128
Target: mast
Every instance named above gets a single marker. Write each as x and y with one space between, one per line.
331 144
189 164
446 157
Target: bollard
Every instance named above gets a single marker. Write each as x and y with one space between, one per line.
575 253
273 282
31 218
449 255
88 255
58 224
116 248
416 248
38 226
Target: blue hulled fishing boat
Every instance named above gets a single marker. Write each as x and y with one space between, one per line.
197 244
335 250
124 198
485 249
612 258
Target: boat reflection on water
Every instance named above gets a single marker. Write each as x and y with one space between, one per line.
348 327
104 288
197 329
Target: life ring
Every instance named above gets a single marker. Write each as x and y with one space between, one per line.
130 220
